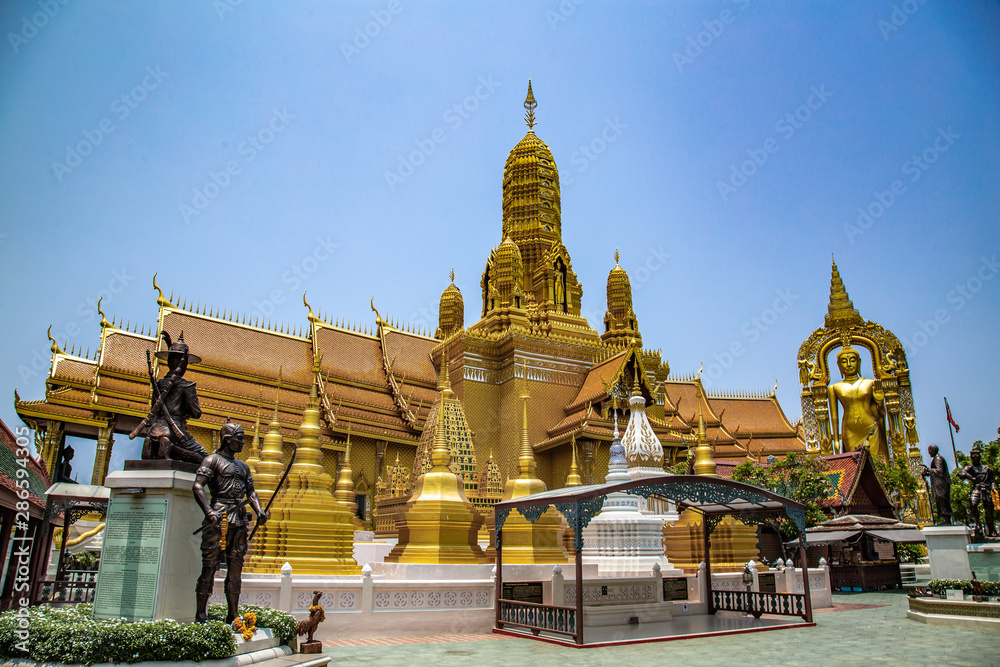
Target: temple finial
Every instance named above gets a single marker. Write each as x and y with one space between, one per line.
529 107
453 276
616 256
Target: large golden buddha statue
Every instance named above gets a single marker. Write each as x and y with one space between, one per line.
862 402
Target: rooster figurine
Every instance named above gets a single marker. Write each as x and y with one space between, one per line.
308 626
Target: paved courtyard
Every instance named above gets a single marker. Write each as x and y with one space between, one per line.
863 629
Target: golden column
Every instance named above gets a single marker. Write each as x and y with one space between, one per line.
102 458
439 525
308 527
525 542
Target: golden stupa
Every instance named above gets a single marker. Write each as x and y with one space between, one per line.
439 524
308 528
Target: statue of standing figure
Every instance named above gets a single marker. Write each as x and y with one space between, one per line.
861 398
940 483
231 485
983 484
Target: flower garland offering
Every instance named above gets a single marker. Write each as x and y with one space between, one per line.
246 625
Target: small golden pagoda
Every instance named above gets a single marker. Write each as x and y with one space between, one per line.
308 528
525 542
439 524
344 490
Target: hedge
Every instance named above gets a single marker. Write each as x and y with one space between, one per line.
939 586
71 635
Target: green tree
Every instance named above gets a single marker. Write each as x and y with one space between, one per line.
899 483
799 477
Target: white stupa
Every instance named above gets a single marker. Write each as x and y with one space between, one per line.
644 453
622 540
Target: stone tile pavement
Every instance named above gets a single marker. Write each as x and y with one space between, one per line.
862 629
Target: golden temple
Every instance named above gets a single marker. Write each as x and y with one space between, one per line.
378 382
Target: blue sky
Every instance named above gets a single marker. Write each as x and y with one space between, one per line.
248 151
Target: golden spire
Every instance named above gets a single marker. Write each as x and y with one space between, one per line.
617 258
704 462
345 480
573 478
526 459
444 380
841 312
529 107
253 457
453 275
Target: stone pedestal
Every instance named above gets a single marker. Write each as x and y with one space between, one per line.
946 550
984 560
151 560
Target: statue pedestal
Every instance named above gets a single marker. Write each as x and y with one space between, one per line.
946 549
150 560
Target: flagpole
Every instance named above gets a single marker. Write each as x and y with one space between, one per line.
950 432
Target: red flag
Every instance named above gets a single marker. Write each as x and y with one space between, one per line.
951 420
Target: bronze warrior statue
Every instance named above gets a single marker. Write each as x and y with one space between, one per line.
983 483
175 400
940 483
231 486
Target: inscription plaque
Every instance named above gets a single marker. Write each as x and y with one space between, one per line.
523 591
130 560
766 582
675 588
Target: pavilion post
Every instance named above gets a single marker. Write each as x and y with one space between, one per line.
499 579
62 550
706 541
805 578
578 544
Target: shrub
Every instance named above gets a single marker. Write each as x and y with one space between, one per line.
70 635
939 586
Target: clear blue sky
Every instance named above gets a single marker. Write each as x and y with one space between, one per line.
349 147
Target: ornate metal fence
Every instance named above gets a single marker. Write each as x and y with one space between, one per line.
538 617
750 602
